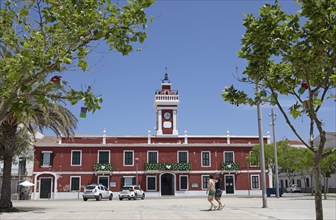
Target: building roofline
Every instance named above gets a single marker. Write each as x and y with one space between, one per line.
145 145
166 136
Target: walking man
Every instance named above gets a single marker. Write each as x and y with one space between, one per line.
218 194
211 190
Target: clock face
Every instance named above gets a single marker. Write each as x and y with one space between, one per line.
166 115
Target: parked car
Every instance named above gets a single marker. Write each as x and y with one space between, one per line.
294 188
131 192
97 191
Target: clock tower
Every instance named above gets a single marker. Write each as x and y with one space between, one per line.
165 104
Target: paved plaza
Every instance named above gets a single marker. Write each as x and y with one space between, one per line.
290 206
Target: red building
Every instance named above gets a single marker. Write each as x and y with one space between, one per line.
164 163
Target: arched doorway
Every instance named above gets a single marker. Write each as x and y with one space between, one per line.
46 183
167 184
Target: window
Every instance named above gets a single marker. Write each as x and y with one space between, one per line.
182 157
127 180
205 158
205 182
75 183
307 182
228 156
128 158
76 157
255 182
298 182
183 182
22 166
152 157
151 183
103 157
46 159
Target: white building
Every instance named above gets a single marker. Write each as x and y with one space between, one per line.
304 180
22 169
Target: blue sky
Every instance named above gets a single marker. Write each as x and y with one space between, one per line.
198 42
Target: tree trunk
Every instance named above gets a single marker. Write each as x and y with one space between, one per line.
326 180
8 132
318 186
6 191
312 186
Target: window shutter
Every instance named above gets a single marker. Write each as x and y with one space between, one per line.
51 159
122 182
41 159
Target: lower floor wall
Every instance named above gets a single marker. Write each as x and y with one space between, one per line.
70 185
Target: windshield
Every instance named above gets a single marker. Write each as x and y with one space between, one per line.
90 187
126 188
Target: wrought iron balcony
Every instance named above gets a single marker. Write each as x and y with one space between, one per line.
168 166
102 167
230 166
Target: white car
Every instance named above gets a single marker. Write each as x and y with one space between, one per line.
97 191
131 192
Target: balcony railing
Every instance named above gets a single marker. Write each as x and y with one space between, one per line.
102 167
230 166
168 166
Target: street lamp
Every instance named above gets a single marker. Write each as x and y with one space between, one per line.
248 177
136 172
275 156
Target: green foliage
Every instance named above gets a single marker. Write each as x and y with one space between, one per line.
103 167
230 166
22 141
290 159
41 39
284 50
167 166
328 165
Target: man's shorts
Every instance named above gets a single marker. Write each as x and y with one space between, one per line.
218 193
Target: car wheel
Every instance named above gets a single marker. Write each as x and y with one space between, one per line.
99 197
110 197
120 198
85 199
143 196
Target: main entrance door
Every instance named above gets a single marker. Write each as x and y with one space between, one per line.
229 186
45 191
104 181
167 184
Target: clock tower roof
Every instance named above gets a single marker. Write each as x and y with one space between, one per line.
166 87
166 96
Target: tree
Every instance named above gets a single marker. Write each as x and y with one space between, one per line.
39 41
289 158
328 167
307 159
57 118
292 55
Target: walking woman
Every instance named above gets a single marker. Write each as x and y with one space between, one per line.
211 192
